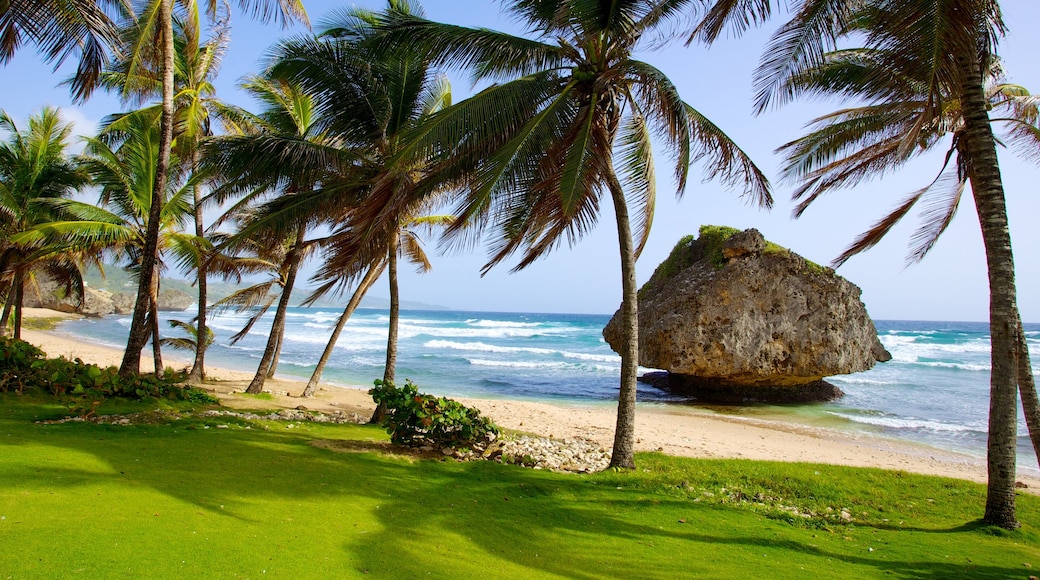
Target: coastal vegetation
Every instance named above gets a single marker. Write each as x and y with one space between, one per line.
570 117
189 494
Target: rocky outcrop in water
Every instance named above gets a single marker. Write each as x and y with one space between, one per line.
733 318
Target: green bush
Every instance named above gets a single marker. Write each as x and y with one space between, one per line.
416 420
83 387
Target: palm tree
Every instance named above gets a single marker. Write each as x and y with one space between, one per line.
411 248
542 144
159 34
279 259
372 98
947 48
286 151
122 161
196 109
61 29
35 172
373 272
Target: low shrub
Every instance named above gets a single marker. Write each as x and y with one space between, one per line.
81 386
416 419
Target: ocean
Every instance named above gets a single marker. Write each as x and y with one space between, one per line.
934 391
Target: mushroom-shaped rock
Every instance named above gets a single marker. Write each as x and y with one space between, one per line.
734 318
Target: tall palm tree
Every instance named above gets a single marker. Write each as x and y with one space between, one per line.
946 47
197 108
35 172
122 161
159 34
62 29
870 136
570 120
373 98
285 153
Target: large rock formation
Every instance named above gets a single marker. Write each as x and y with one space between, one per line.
734 318
97 302
48 294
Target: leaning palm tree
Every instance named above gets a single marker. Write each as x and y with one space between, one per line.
35 172
277 261
156 44
283 155
411 248
569 121
122 161
197 62
948 48
62 29
372 98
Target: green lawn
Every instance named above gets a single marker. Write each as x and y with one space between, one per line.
186 499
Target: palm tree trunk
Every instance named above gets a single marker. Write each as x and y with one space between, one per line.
988 191
139 330
395 310
355 299
19 297
391 337
623 454
198 369
8 293
154 318
256 386
1027 390
8 305
277 353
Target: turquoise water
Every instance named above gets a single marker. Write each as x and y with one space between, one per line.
935 390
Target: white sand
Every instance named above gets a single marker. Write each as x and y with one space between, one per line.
674 430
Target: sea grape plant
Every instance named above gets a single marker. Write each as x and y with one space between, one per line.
415 419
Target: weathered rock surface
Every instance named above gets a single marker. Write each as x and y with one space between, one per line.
97 302
123 303
169 300
48 294
733 318
174 300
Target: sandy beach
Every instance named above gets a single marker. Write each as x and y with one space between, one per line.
675 430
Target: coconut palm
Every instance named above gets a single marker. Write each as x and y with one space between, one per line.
279 261
122 161
870 136
570 120
62 29
411 248
372 98
284 154
156 44
946 47
35 171
197 108
374 272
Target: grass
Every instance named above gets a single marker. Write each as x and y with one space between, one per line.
256 396
189 498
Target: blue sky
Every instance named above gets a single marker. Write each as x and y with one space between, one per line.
951 283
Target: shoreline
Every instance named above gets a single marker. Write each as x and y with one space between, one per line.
673 430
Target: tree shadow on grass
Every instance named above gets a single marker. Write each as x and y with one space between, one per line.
566 527
451 519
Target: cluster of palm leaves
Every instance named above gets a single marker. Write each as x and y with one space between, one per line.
358 143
